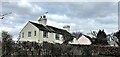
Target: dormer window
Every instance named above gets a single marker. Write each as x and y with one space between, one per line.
45 34
57 36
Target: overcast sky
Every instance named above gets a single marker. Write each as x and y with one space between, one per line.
81 16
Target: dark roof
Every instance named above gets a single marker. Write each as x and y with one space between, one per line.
51 29
60 31
41 27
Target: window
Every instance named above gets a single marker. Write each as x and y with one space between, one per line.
62 37
45 34
34 33
23 35
57 36
29 34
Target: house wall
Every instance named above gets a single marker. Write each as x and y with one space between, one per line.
81 40
31 28
60 39
39 35
84 40
51 38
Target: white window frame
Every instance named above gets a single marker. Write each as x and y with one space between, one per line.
45 34
22 34
57 36
34 33
29 33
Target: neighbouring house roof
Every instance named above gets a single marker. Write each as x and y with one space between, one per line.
51 29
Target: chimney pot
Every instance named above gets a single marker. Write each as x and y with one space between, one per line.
66 27
42 20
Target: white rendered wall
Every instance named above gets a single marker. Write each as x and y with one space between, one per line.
84 41
31 28
39 35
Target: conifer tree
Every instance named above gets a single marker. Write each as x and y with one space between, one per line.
101 38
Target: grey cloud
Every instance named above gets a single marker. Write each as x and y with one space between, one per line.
79 13
84 10
107 21
81 10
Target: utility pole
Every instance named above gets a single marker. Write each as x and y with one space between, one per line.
0 41
119 15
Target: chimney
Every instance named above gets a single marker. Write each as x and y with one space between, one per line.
66 27
42 20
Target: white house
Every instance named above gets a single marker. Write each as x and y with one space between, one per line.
40 32
112 40
82 40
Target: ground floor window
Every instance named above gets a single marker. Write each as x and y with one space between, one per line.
23 35
45 34
57 36
29 34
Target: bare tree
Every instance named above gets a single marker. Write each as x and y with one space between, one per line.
77 34
117 34
94 33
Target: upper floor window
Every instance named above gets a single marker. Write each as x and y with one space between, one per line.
34 33
57 36
23 35
45 34
29 34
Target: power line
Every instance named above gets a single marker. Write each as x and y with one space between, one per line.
3 15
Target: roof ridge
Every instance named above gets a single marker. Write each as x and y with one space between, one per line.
48 25
40 26
55 27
